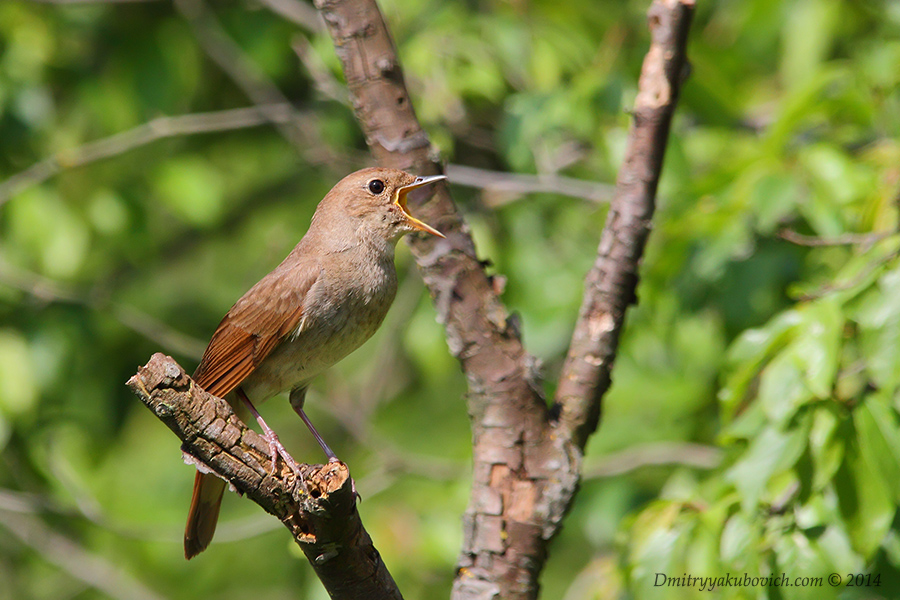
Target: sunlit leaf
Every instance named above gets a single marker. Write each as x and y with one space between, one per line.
864 498
768 454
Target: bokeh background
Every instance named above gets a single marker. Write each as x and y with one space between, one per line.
752 425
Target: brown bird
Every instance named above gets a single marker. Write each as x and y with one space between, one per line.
320 304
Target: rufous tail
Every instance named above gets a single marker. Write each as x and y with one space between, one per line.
205 503
204 513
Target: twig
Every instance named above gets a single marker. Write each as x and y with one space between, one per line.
511 185
858 279
91 1
247 76
325 82
154 330
254 116
321 515
147 133
663 453
611 283
298 13
847 239
227 531
81 564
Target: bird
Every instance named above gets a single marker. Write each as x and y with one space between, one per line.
321 303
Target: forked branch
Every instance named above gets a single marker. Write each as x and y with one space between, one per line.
526 462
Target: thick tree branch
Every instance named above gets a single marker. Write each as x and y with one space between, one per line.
525 475
611 282
519 468
324 522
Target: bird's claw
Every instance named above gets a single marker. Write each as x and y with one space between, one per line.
276 449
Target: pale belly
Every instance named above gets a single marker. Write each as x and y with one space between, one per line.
328 335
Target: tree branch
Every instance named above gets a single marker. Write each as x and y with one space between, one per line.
682 454
322 518
519 468
612 281
47 290
298 13
166 127
525 477
847 239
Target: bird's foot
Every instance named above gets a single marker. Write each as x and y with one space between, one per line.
275 446
276 449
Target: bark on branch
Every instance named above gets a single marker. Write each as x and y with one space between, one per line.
526 458
611 283
508 521
322 519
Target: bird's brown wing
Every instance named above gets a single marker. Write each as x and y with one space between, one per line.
255 325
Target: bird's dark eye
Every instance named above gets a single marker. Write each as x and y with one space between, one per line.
376 186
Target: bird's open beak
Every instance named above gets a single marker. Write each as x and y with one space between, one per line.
401 202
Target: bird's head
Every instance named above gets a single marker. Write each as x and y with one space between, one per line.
372 203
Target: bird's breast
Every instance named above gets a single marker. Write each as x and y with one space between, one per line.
340 312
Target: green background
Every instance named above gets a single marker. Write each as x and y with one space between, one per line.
753 421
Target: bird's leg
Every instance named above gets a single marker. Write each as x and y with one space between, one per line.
275 446
298 397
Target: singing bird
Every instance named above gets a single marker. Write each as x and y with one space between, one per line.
320 304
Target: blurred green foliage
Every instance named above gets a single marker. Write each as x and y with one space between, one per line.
781 360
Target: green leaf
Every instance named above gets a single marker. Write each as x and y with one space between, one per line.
825 446
658 545
738 536
878 315
770 453
798 556
808 346
774 197
782 388
879 440
806 47
865 502
747 355
817 350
